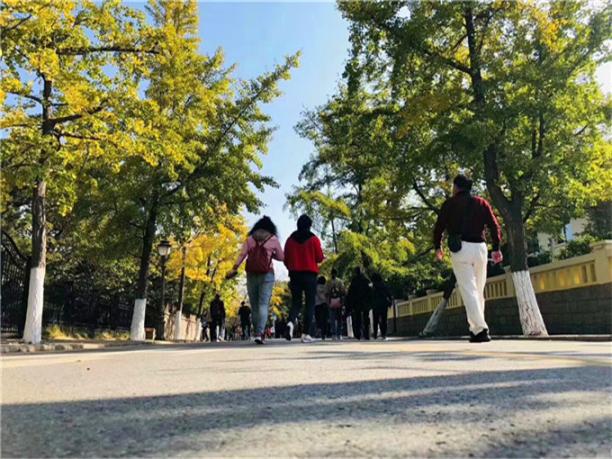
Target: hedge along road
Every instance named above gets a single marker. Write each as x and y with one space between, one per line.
397 398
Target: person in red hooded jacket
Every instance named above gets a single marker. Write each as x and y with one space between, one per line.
303 254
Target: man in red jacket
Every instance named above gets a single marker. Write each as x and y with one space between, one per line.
465 217
303 254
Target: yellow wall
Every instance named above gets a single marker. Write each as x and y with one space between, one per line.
583 271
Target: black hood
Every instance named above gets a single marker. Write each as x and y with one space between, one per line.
301 236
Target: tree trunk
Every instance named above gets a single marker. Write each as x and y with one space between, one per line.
179 312
532 322
32 332
137 332
334 238
512 210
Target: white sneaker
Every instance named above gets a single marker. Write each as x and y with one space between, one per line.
258 339
307 339
289 332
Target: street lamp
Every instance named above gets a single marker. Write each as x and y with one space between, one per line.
163 249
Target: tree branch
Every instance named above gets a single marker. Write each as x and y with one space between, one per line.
76 116
19 23
426 201
26 96
103 49
531 208
198 170
581 131
445 60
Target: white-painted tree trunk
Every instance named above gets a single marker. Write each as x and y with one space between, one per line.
177 325
32 332
349 327
432 323
137 331
532 322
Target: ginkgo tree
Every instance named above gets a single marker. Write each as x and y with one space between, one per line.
202 132
67 66
506 88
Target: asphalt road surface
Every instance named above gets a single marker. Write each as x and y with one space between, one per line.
349 399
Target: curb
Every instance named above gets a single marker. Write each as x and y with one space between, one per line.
585 338
13 348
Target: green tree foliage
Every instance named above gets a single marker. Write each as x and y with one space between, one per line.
380 203
507 88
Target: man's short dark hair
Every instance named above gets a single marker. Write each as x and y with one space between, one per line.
304 223
461 181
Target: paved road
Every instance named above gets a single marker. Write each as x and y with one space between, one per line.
397 398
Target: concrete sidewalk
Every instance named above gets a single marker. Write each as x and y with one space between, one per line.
17 346
401 398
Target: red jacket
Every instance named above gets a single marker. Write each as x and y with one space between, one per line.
303 253
451 219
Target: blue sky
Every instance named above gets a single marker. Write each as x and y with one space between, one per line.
256 36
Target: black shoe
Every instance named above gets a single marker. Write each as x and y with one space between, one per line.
482 337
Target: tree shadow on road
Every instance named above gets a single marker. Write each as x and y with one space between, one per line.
176 425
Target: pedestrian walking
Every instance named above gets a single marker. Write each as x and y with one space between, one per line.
321 307
358 301
464 218
382 300
261 247
245 320
217 318
205 335
335 299
303 254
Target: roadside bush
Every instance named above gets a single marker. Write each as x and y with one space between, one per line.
577 247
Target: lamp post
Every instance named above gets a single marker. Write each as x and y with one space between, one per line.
163 249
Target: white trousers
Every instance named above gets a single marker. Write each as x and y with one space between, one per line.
470 268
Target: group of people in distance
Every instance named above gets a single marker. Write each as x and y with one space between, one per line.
463 217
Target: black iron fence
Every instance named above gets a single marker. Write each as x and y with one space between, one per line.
14 269
80 305
75 303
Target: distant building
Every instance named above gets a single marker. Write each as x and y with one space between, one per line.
555 244
597 222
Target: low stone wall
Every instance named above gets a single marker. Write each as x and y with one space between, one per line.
191 328
585 310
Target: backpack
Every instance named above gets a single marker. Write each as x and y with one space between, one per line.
258 260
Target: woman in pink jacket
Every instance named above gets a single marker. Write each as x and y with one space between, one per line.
261 247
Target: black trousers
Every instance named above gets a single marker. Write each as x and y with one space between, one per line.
361 323
303 286
214 323
246 329
380 320
322 318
